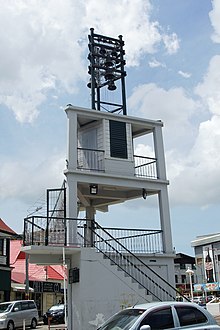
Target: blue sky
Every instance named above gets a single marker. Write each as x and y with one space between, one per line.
173 59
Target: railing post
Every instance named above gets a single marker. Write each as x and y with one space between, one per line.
85 235
92 222
24 234
32 232
47 232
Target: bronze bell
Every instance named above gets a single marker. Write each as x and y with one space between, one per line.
89 85
109 74
102 51
109 62
111 86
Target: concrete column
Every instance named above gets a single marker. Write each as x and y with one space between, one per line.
165 220
72 142
72 211
159 152
90 214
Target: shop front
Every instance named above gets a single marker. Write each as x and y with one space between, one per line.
5 284
46 294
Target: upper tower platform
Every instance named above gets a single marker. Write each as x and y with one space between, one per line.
101 157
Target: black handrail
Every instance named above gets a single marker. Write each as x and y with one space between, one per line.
135 266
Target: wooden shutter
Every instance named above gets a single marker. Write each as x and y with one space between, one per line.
118 139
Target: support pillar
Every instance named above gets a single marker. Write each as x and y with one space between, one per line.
88 234
72 210
165 221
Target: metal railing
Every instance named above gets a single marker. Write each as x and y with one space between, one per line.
145 167
93 160
135 240
122 249
39 230
90 159
132 265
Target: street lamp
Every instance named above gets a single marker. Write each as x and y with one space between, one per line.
190 272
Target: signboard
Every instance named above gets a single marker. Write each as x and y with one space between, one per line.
46 286
206 287
73 275
209 264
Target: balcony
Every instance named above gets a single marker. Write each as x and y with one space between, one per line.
54 231
94 160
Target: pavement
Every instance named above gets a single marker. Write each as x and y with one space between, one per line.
52 327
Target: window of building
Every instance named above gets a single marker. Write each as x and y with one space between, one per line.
2 247
176 278
183 278
182 266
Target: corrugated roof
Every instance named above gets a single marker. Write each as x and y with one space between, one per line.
5 228
15 250
36 272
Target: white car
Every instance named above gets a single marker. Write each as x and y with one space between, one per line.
14 314
162 315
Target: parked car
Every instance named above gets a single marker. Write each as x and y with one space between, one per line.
13 314
162 315
55 313
201 301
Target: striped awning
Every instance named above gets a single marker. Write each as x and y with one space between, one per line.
20 287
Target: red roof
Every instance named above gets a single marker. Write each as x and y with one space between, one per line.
4 228
15 250
36 272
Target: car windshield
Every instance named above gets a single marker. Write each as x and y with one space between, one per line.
56 307
5 307
123 320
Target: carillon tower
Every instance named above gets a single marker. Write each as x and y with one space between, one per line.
109 268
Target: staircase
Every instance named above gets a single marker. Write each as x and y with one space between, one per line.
122 250
129 263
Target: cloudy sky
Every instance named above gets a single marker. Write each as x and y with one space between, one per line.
173 59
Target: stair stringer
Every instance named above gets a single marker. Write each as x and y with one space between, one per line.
139 292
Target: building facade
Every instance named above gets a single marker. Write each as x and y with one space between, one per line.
43 283
207 259
5 270
182 262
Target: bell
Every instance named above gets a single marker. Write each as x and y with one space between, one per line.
109 74
102 51
89 85
114 53
109 62
111 86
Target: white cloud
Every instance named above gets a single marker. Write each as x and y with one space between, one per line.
131 18
173 106
215 20
172 43
26 180
39 50
184 74
44 44
208 89
155 64
192 148
197 177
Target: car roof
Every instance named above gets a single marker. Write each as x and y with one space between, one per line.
14 301
161 304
